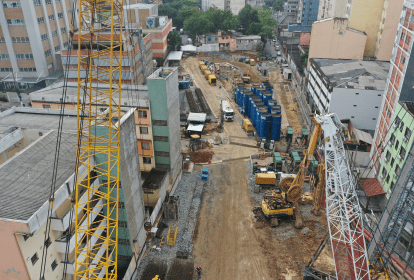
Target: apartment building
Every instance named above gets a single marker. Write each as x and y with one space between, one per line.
163 94
25 195
377 19
32 34
308 12
352 89
399 83
291 7
51 98
159 35
400 140
138 13
137 61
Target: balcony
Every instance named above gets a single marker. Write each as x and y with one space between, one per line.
61 224
9 137
61 243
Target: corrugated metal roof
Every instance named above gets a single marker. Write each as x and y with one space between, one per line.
175 55
362 136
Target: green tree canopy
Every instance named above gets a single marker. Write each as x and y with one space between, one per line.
222 20
247 16
174 40
198 23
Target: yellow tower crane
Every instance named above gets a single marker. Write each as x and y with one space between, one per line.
98 146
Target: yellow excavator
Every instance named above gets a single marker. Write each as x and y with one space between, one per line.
276 204
246 77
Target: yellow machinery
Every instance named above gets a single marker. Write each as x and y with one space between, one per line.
201 63
172 235
98 144
252 62
291 187
246 77
203 68
247 125
265 179
319 192
212 80
207 73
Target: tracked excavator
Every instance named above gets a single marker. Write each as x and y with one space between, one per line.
277 203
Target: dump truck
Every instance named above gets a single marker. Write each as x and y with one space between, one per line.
212 80
207 73
201 63
203 68
227 111
252 62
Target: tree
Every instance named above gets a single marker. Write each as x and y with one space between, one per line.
278 5
174 40
198 24
266 32
184 14
304 59
222 20
254 28
247 16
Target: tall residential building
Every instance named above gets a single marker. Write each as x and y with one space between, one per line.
334 8
399 83
291 7
308 11
378 19
163 94
32 33
25 194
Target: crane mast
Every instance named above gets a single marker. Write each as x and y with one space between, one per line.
98 146
343 210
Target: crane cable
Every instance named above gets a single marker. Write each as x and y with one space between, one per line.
46 242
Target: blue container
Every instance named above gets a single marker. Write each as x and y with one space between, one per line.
265 125
276 127
205 170
259 93
247 100
252 116
276 109
238 97
266 97
270 104
259 114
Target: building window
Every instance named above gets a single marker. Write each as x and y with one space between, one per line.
143 130
4 57
15 22
397 170
37 3
24 56
46 106
2 40
401 126
44 37
48 242
54 265
27 69
40 20
407 133
57 48
65 44
397 143
123 241
12 4
51 17
392 139
402 36
142 114
20 40
2 69
388 156
402 153
54 33
392 162
402 59
48 2
121 205
146 160
60 15
34 259
388 178
48 52
161 138
63 30
145 145
122 224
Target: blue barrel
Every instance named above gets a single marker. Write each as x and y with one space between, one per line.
276 109
270 104
265 125
260 112
276 127
266 97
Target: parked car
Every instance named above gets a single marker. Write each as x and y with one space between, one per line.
274 40
279 54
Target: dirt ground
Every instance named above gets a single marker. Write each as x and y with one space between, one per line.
231 244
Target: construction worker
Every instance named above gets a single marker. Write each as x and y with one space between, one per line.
199 271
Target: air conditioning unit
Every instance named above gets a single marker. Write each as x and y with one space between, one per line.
399 157
395 125
386 159
389 143
405 139
381 176
394 175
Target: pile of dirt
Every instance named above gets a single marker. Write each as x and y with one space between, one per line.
154 268
181 270
200 156
209 128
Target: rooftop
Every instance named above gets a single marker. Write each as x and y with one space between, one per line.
38 121
408 106
353 73
140 6
175 55
130 95
371 186
250 37
27 176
